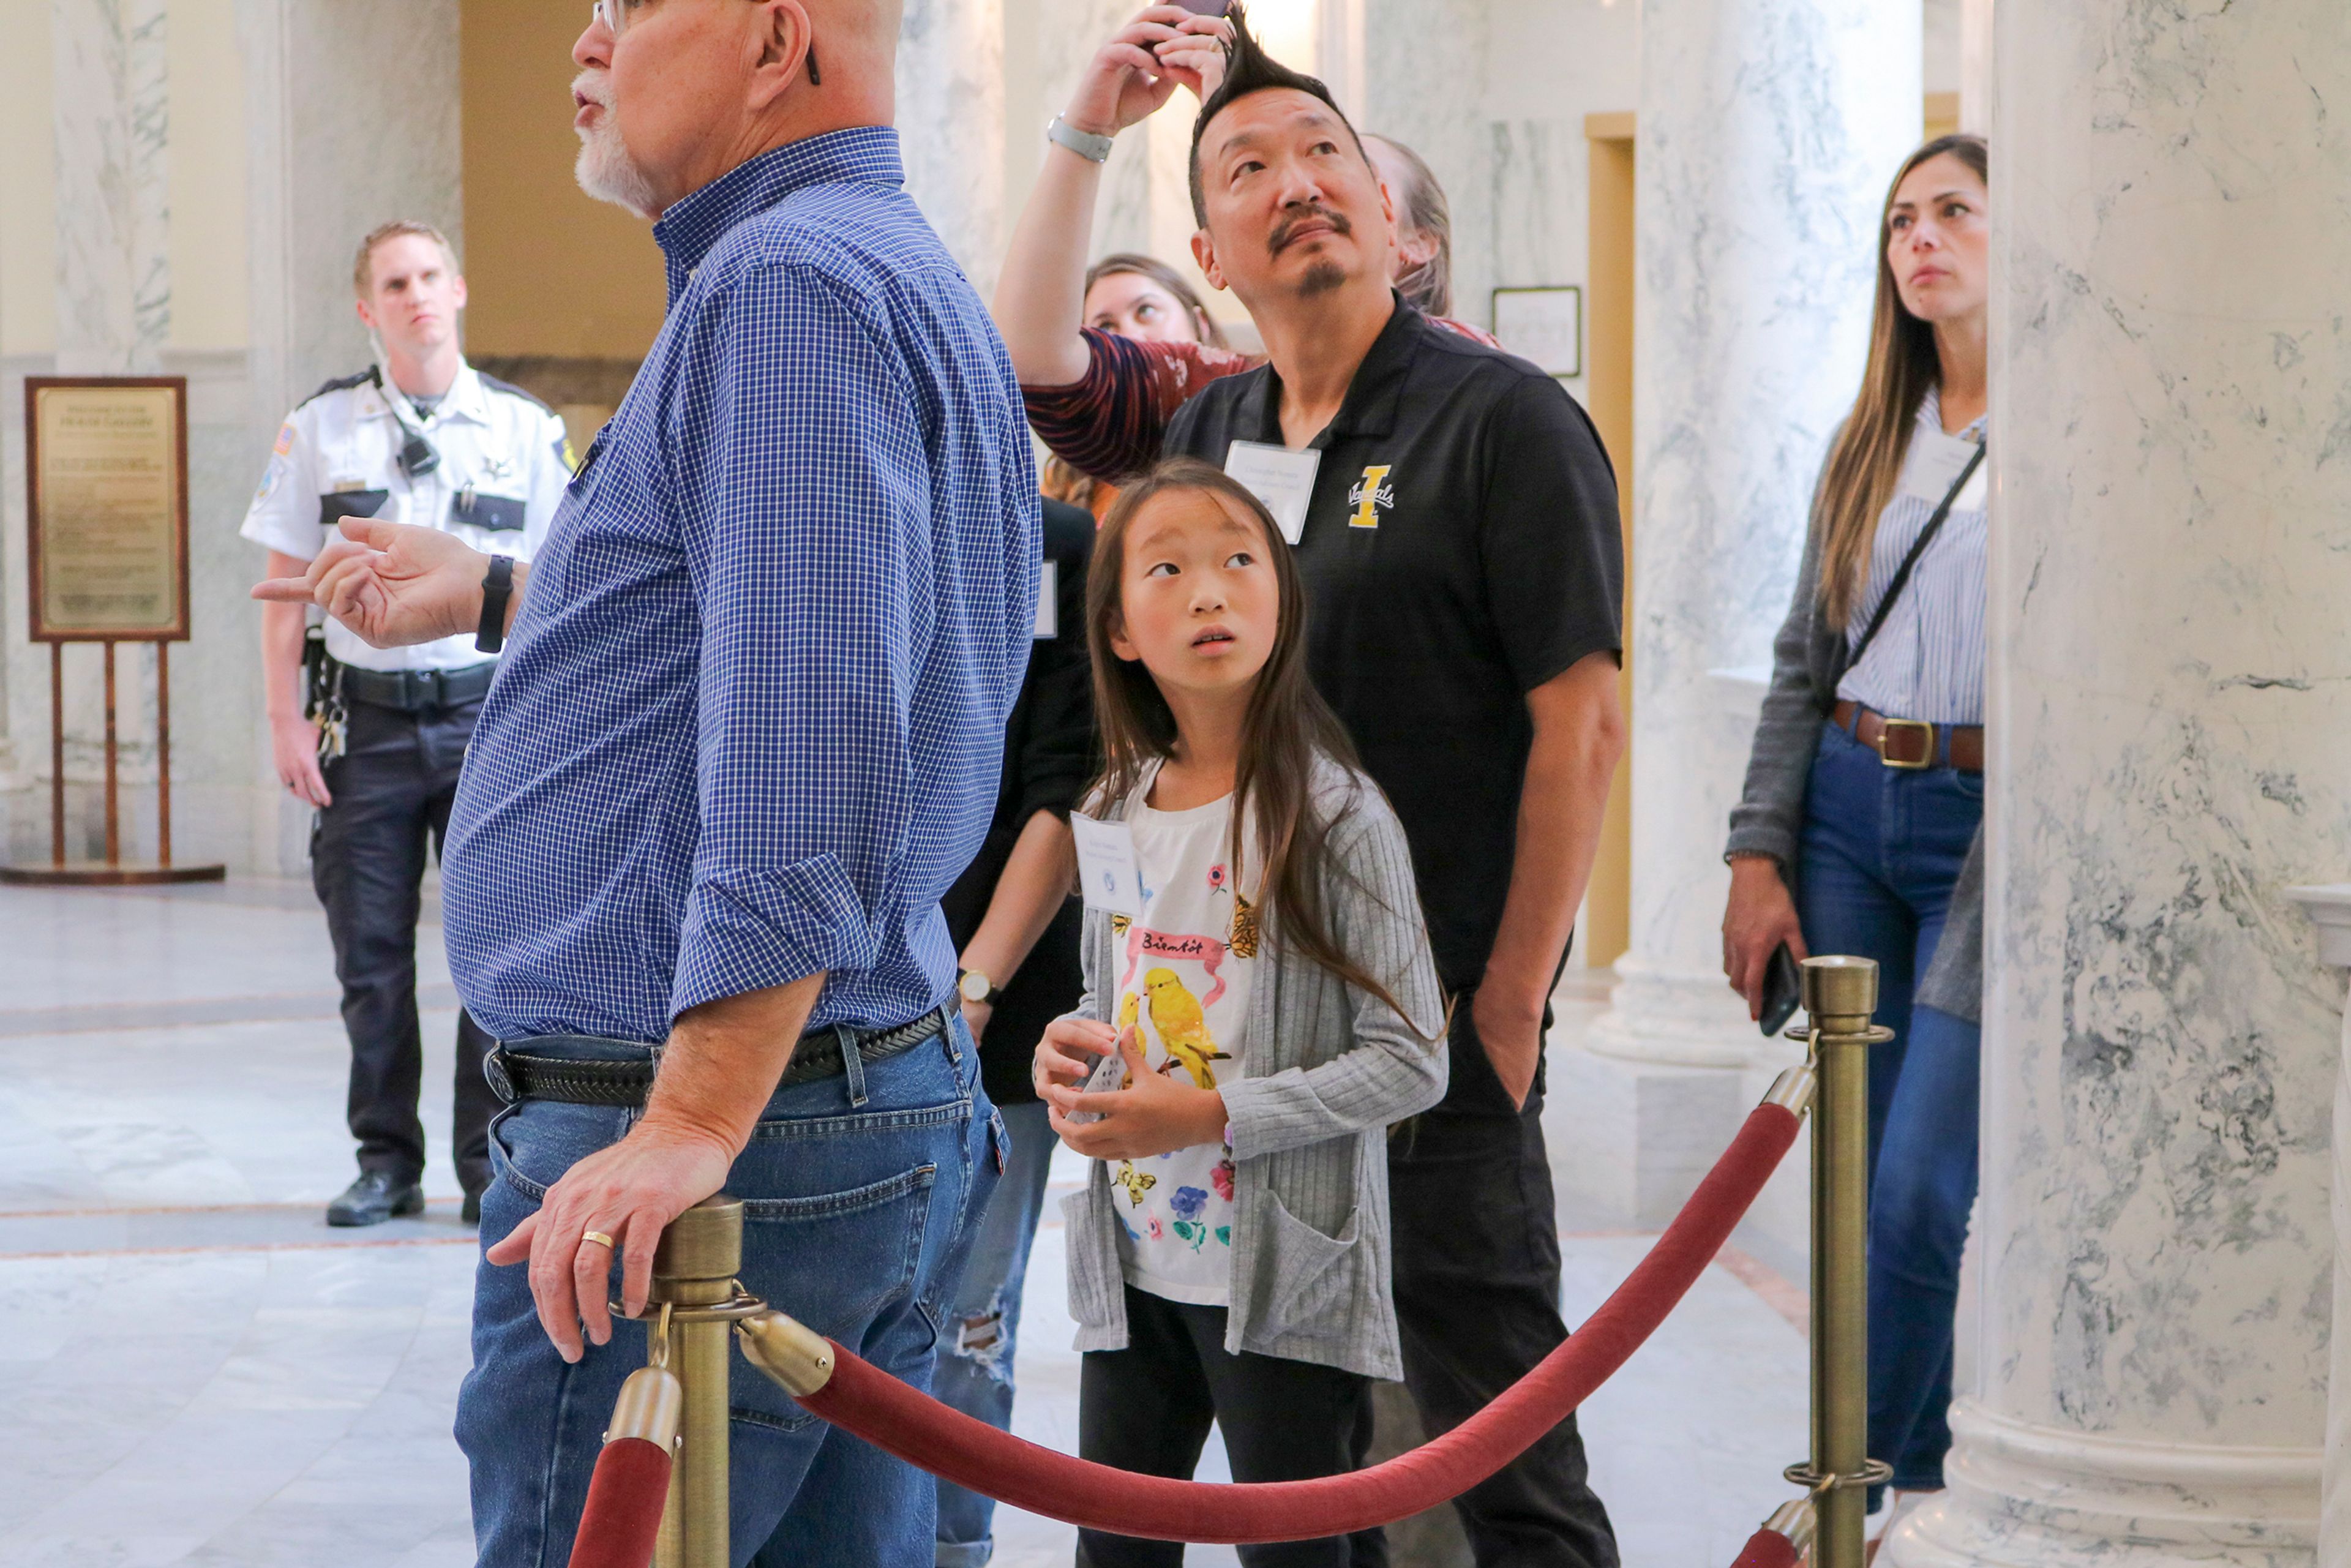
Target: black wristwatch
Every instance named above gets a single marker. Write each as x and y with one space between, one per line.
496 589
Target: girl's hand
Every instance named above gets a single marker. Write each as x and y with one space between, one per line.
1760 916
1153 1114
1066 1055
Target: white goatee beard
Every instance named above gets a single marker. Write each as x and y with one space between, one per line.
606 172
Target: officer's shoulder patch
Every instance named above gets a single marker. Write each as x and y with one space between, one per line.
341 383
511 389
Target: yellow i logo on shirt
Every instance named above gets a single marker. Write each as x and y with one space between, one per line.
1369 493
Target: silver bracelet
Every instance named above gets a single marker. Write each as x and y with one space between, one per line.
1084 144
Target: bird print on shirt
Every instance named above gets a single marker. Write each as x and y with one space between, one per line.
1183 1028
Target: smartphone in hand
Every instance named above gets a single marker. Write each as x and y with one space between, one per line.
1784 990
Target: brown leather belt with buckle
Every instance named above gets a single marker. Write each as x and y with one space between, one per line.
1914 743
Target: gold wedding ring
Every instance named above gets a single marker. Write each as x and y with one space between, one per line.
599 1238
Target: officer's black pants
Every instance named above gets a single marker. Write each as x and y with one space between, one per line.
1476 1297
393 788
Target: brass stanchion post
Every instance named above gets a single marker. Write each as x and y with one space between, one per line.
692 1303
1840 996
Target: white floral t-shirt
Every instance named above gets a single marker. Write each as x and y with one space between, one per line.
1183 983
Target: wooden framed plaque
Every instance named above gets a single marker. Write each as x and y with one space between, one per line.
105 463
106 460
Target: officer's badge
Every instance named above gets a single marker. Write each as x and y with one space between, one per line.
496 467
1369 495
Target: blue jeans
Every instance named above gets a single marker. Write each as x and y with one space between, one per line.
856 1190
1882 849
983 1323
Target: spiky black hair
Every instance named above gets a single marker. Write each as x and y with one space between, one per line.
1248 69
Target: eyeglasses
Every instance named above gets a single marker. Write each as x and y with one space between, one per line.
615 15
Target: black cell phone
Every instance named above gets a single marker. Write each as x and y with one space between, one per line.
1205 7
1784 990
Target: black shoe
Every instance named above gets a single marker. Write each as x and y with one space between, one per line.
376 1197
470 1211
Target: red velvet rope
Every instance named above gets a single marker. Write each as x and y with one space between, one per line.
624 1506
1768 1549
918 1428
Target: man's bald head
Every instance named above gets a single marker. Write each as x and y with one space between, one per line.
688 89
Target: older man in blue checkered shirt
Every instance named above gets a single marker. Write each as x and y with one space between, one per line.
745 734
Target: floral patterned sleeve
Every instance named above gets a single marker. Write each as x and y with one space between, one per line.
1110 422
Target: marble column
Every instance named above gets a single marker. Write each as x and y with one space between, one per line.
112 119
951 126
2170 710
1768 129
2329 909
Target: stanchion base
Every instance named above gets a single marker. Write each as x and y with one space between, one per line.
97 874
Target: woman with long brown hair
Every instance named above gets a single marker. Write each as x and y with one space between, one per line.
1860 828
1143 301
1268 994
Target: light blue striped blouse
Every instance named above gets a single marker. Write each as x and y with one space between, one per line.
1929 659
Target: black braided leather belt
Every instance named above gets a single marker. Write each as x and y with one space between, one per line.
519 1075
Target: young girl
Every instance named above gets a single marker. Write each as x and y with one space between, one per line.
1275 1007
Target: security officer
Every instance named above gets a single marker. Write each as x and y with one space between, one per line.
374 738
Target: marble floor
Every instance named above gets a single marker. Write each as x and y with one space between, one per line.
193 1369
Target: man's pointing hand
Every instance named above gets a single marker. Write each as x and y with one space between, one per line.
391 583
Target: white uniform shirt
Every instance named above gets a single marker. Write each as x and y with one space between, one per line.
504 465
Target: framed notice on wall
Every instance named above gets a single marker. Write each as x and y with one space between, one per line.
106 459
1544 325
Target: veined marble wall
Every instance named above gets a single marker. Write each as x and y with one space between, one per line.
1768 131
2171 708
951 126
112 127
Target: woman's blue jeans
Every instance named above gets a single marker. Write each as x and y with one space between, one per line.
983 1323
1882 848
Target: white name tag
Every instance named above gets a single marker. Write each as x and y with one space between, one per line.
1108 872
1282 479
1049 602
1933 466
1109 1073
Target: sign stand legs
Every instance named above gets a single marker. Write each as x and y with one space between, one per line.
112 871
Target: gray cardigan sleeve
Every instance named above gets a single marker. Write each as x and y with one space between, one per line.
1395 1065
1770 817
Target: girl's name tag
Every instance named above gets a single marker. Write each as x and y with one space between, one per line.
1108 875
1109 1073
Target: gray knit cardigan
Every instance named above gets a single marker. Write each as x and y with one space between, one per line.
1808 659
1325 1069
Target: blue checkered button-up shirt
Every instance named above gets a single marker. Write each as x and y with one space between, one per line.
749 724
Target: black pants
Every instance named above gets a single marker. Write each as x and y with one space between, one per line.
1147 1408
1476 1297
393 788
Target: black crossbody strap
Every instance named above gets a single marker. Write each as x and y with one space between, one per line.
1918 547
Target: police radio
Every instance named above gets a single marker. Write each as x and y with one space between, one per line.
416 456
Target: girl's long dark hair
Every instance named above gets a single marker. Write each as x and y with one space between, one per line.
1287 727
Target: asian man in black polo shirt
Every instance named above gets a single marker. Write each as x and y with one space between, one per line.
1454 521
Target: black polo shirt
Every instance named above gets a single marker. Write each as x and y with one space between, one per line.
1461 548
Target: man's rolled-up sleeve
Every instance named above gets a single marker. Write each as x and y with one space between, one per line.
802 492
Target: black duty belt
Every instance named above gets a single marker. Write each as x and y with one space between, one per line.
415 691
519 1075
